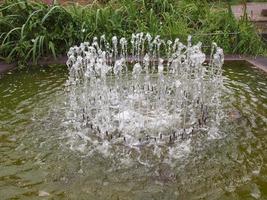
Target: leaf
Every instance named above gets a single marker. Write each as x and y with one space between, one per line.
49 12
30 16
11 31
9 6
51 46
41 45
34 55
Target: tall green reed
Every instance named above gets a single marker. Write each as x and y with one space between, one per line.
32 30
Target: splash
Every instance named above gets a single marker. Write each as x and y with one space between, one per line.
146 92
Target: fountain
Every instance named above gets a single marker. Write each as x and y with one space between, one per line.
146 93
164 126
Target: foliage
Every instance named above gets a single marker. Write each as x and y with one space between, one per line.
31 30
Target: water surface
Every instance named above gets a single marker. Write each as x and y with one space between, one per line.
38 162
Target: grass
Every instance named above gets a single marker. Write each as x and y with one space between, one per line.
31 30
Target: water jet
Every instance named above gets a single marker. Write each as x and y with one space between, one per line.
146 89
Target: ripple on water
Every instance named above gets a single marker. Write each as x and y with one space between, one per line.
35 156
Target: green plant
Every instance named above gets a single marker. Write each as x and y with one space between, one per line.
32 30
35 31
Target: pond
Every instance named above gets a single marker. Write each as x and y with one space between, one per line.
37 160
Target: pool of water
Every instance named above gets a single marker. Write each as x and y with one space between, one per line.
38 162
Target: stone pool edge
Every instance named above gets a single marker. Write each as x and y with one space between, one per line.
258 61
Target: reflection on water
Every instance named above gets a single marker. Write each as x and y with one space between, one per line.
36 158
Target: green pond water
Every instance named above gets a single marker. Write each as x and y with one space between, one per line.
37 162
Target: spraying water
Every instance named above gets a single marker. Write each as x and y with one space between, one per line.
147 93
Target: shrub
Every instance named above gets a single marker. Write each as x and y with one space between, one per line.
31 30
